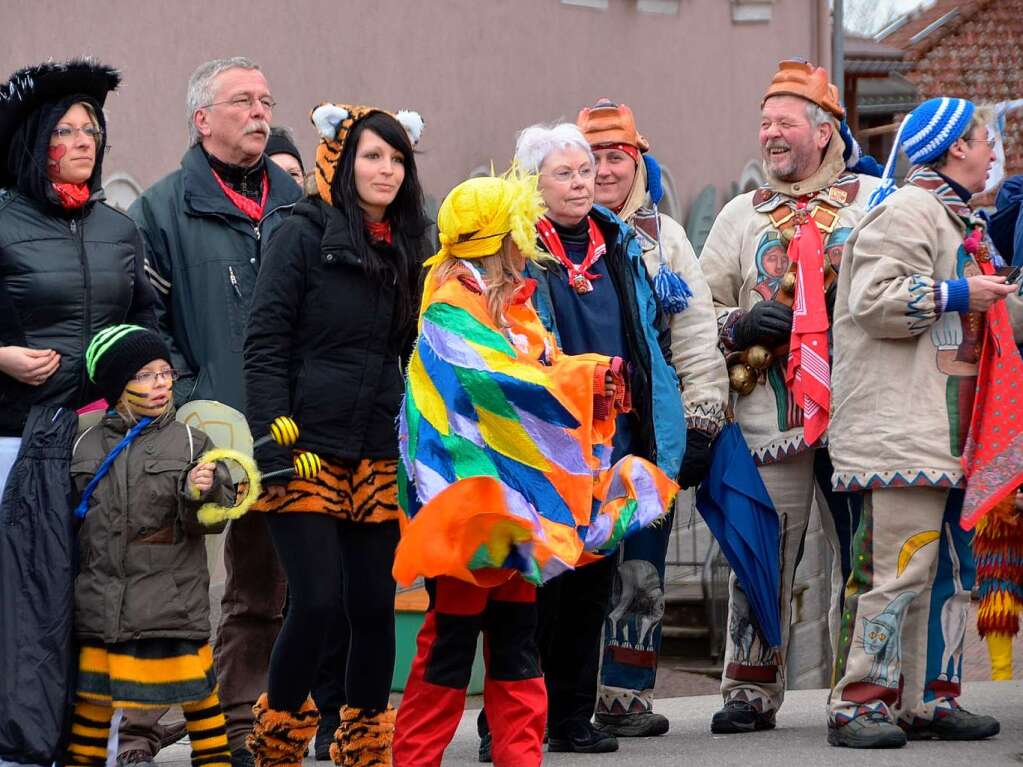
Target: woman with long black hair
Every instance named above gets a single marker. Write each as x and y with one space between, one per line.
332 323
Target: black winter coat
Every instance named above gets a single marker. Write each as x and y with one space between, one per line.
63 278
323 344
202 255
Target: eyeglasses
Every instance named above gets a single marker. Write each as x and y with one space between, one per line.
564 175
244 102
149 376
990 141
65 132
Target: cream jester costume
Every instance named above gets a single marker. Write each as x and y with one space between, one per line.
761 253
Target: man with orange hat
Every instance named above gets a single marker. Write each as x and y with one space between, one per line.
628 181
772 249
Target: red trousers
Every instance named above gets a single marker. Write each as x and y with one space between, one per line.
513 692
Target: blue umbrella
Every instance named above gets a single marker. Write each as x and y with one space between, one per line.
739 513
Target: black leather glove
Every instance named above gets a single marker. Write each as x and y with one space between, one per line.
696 462
768 323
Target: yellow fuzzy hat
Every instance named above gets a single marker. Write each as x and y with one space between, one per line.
334 122
479 213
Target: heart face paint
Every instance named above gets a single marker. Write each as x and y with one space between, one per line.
55 154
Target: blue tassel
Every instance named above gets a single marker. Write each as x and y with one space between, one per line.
880 194
653 178
672 290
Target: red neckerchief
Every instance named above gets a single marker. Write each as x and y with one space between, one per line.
808 375
379 231
524 292
71 196
579 276
250 208
993 454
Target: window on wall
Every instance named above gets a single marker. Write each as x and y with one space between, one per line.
751 11
598 4
663 7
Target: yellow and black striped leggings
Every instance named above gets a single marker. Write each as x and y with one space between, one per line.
204 720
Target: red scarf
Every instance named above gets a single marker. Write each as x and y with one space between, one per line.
251 208
579 276
380 231
808 375
71 196
993 455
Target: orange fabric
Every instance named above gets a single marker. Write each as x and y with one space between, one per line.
363 491
802 79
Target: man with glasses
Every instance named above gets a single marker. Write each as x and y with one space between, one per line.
204 226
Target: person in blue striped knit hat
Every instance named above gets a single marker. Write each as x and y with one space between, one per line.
909 315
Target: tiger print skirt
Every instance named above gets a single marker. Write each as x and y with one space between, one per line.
354 491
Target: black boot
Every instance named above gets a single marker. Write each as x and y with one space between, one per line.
738 716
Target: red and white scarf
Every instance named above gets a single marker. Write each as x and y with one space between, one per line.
993 454
579 276
808 375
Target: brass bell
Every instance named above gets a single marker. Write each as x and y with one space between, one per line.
788 283
758 358
742 379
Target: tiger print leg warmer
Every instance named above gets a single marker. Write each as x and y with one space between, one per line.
364 738
280 738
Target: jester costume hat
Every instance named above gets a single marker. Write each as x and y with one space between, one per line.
334 122
505 442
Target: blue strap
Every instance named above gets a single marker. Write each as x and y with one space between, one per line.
83 506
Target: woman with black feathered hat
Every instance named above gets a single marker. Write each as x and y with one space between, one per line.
69 267
69 264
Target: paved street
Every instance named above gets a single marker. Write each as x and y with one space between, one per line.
798 741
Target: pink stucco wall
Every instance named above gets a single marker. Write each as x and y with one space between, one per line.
478 70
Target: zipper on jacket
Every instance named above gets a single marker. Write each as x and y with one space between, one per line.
78 231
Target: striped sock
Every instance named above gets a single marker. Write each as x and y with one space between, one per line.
90 728
207 732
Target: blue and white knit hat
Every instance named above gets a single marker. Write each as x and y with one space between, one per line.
925 134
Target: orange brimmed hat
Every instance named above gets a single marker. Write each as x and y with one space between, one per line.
609 123
796 77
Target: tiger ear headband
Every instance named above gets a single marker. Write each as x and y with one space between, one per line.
334 122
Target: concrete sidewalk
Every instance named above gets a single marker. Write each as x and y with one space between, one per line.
799 740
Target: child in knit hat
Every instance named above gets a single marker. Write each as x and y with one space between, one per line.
141 595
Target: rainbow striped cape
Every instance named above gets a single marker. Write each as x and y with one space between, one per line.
505 445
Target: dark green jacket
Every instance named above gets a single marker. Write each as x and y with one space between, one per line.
202 256
142 559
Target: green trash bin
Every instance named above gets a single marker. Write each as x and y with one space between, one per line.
409 614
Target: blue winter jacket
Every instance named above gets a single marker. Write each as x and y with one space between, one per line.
660 430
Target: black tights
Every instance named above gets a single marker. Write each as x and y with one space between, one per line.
336 571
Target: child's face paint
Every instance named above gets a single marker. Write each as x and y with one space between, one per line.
150 396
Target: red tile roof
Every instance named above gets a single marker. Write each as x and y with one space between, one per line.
977 54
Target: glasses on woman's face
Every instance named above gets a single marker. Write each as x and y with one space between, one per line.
990 141
66 132
564 175
152 376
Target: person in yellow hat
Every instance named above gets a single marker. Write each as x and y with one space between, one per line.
501 435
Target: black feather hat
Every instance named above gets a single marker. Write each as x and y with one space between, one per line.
31 87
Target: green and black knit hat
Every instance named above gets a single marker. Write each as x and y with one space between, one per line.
117 353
